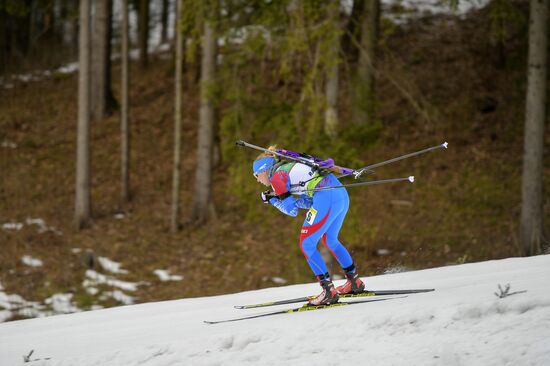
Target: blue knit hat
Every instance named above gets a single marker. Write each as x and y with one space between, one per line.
263 164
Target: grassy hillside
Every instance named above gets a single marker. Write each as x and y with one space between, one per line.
441 79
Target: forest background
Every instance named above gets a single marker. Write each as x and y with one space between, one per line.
360 82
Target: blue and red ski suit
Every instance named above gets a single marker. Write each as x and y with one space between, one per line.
292 183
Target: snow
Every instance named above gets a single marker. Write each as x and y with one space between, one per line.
414 9
104 287
11 303
12 226
31 262
8 144
111 266
164 275
118 296
94 278
396 269
278 280
39 223
62 304
382 252
461 323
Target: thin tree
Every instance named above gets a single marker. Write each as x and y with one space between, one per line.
102 100
125 132
164 21
531 224
69 27
202 204
331 85
177 122
82 202
5 51
143 32
364 104
353 32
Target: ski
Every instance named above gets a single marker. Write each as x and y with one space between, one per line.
344 296
299 309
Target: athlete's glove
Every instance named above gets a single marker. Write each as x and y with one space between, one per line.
266 196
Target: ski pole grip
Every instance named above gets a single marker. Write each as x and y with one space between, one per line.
341 170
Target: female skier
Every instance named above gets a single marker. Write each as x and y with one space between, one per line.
292 184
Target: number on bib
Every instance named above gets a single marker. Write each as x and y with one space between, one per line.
310 216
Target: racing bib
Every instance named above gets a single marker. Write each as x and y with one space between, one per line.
310 216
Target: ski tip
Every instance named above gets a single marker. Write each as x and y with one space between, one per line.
215 321
239 307
445 144
411 178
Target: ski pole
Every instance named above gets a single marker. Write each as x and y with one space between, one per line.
358 172
371 183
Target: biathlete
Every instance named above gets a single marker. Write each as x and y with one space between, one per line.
292 184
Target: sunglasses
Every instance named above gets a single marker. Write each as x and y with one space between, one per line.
256 175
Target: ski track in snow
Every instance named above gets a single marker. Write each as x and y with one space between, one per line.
461 323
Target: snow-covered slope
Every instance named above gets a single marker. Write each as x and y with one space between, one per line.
461 323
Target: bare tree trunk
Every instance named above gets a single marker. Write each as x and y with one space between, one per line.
177 124
74 27
364 105
68 27
22 35
353 32
164 21
143 32
125 132
331 113
331 86
102 100
31 27
82 203
203 177
49 26
4 50
216 147
531 225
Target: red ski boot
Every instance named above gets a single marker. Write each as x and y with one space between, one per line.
328 296
352 285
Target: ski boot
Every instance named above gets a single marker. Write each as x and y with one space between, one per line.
353 284
327 297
